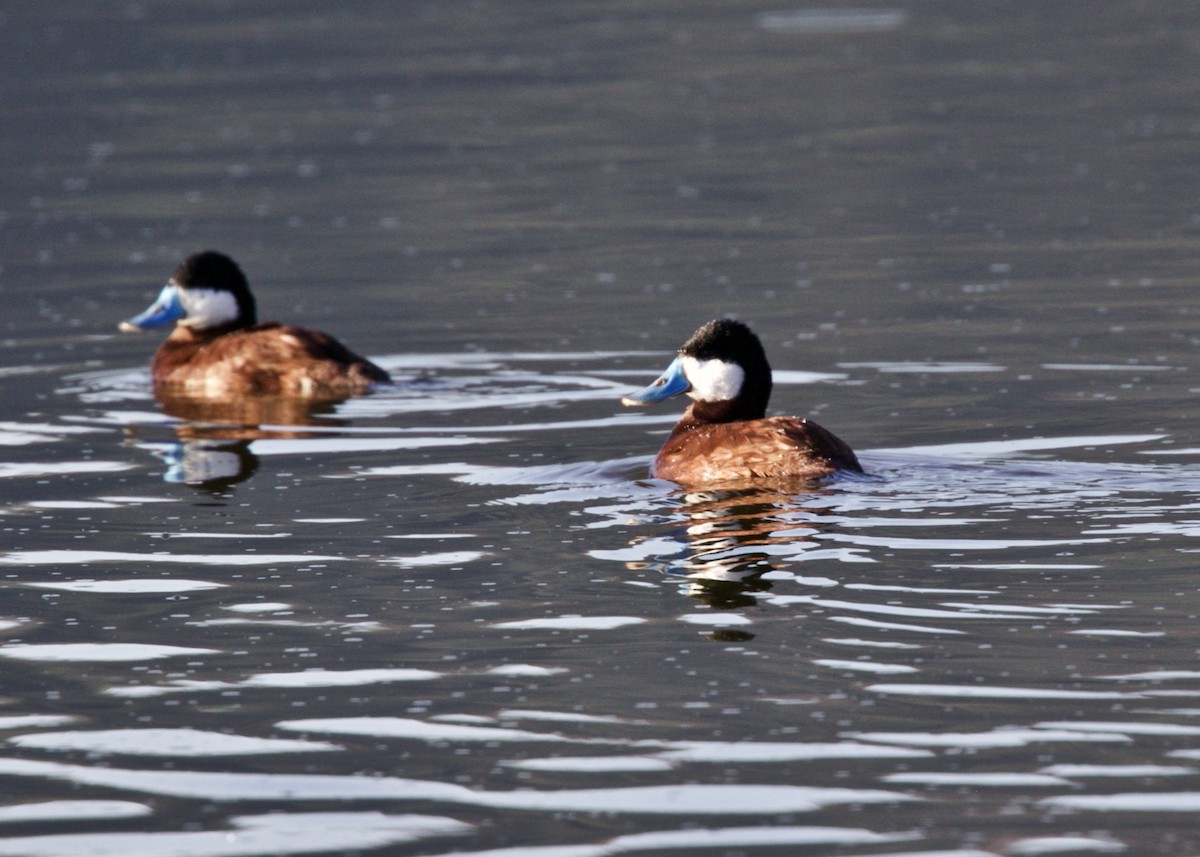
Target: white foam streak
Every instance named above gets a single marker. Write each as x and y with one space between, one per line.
1036 846
70 810
686 800
185 742
316 446
865 666
1124 727
25 434
720 752
892 626
691 800
434 559
338 678
971 611
1131 771
592 764
997 738
30 721
259 607
82 557
131 586
12 470
702 839
927 367
1129 802
276 833
1106 367
1156 528
991 779
96 652
556 716
314 678
715 620
874 644
570 623
984 692
526 670
896 543
1003 448
416 730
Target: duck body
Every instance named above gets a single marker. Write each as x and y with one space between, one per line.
772 448
725 436
218 348
264 359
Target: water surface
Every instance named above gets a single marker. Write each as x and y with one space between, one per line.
456 616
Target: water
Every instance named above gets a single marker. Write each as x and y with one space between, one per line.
456 617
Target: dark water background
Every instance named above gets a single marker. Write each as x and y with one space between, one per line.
454 617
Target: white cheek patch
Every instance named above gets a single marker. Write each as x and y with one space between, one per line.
207 308
713 380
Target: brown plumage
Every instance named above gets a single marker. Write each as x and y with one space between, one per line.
700 453
724 435
218 349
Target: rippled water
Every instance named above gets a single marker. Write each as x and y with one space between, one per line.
455 616
410 625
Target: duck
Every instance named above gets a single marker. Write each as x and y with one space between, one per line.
725 435
218 348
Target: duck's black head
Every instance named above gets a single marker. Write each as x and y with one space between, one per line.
207 291
723 368
215 272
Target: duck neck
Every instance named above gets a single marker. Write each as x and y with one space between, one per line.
185 333
729 411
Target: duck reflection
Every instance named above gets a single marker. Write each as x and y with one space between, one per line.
212 450
733 538
211 466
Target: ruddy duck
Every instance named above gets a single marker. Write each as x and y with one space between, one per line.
724 435
219 349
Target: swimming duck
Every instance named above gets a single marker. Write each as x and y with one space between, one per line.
725 435
218 348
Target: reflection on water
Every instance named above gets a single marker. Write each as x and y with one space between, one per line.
730 542
210 465
248 418
214 451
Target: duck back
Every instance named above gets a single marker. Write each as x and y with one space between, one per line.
773 448
268 358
